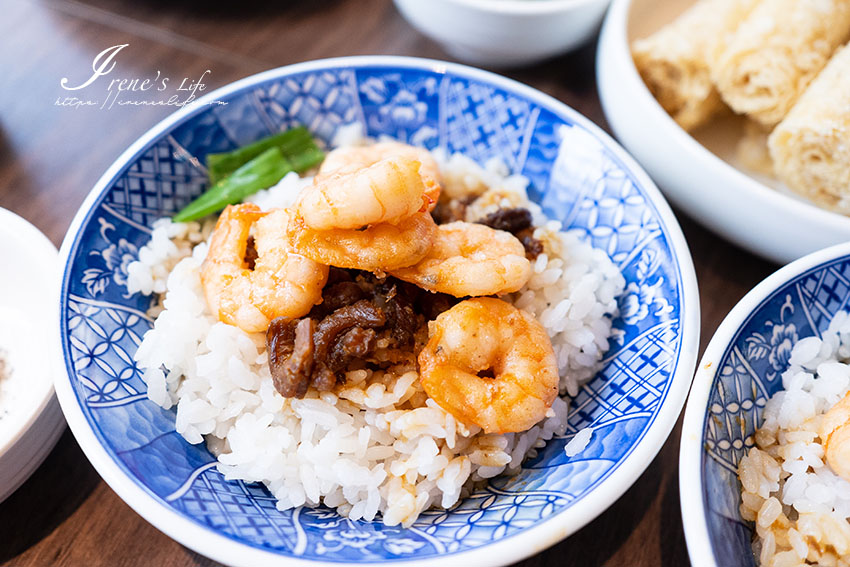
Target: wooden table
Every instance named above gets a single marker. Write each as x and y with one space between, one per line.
50 157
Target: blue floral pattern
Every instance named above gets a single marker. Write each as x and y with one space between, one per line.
113 265
776 341
749 374
575 176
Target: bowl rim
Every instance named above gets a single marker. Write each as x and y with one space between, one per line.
615 37
524 7
44 252
514 548
691 482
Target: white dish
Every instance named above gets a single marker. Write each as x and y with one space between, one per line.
505 33
30 419
701 175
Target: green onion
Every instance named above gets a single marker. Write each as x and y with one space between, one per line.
236 175
260 173
307 158
292 143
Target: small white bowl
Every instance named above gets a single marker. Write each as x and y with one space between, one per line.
505 33
700 176
30 418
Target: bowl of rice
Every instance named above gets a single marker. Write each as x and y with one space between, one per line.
761 478
183 415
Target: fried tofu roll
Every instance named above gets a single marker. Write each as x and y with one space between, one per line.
752 149
776 52
811 147
674 62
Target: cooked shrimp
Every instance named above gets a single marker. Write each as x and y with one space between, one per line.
470 259
378 248
282 283
350 159
834 432
387 191
488 363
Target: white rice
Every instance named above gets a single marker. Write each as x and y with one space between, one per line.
579 442
800 507
379 444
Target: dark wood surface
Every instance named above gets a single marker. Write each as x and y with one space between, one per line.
50 157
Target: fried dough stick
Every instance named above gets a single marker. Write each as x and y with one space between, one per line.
675 61
811 147
776 52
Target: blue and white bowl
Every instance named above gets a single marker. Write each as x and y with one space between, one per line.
740 370
632 404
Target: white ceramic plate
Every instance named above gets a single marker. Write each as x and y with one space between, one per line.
701 175
30 419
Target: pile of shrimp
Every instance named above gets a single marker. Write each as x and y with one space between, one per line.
369 208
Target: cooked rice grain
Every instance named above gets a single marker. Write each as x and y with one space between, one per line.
799 506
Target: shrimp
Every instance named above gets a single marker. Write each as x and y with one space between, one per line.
378 248
834 432
488 363
470 259
282 283
387 191
350 159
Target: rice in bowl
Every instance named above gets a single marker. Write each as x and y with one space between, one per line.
799 505
377 444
